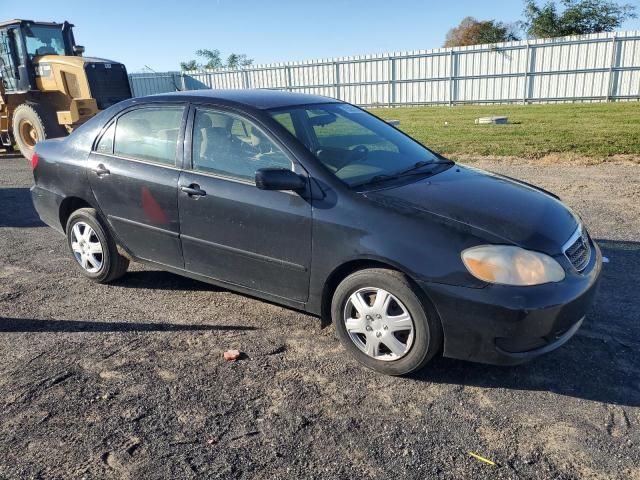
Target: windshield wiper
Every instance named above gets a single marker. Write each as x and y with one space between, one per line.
416 169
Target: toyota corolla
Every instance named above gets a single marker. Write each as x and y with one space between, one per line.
318 205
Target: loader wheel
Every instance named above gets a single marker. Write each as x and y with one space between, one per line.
33 123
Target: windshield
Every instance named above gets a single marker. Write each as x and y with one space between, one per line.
44 40
355 145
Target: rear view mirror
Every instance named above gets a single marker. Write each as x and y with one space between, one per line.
279 179
323 120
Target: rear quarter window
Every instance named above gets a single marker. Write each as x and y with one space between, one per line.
105 144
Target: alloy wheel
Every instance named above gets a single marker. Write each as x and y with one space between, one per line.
86 247
378 324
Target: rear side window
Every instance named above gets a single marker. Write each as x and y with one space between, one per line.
149 134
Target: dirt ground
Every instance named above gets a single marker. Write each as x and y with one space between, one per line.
128 381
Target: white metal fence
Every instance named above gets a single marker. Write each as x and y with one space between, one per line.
599 67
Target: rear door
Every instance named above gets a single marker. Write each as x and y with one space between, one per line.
134 176
231 230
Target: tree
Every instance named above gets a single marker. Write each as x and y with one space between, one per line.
212 57
235 60
473 32
189 65
574 17
214 61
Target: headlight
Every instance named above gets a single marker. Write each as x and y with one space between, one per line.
511 265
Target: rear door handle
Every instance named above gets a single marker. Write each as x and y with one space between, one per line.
193 190
101 170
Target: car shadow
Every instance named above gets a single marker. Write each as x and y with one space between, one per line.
16 209
600 363
18 325
161 280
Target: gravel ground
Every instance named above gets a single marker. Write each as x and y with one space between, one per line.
128 381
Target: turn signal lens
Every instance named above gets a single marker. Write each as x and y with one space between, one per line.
34 161
510 265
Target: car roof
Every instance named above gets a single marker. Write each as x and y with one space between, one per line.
260 99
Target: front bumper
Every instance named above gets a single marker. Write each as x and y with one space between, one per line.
506 325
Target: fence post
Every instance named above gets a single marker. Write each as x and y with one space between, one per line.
245 79
525 92
287 69
451 77
392 81
611 87
336 67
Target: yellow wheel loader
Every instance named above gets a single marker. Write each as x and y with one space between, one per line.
47 88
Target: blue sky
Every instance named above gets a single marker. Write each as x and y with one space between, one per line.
162 33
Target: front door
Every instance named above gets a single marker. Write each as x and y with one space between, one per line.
134 177
231 230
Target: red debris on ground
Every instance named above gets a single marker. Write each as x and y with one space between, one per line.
231 355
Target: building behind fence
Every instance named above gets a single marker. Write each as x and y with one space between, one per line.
599 67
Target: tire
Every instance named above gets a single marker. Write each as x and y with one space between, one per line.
103 267
33 123
416 339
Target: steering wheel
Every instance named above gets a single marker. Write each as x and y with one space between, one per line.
359 152
245 148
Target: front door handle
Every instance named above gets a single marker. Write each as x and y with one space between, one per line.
101 170
193 190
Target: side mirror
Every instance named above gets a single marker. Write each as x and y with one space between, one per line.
279 179
78 50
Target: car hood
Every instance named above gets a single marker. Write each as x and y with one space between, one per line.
516 212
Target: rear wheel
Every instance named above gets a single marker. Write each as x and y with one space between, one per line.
93 247
384 322
33 123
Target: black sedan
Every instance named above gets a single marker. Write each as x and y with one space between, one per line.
315 204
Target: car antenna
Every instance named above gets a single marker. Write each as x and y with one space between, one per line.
173 80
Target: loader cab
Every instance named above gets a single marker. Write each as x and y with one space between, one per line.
21 41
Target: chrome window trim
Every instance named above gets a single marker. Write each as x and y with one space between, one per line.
137 160
242 181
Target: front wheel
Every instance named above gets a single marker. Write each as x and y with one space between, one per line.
382 321
93 247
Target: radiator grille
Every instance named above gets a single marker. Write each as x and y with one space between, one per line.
579 251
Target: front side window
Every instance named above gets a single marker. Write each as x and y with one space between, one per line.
230 145
353 144
149 134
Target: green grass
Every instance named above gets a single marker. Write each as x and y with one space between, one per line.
588 130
